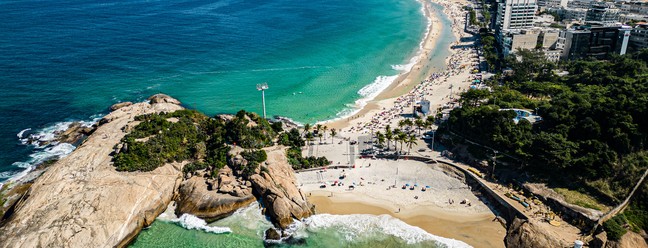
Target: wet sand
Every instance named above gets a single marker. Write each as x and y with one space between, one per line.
477 230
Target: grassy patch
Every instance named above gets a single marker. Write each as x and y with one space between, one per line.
580 199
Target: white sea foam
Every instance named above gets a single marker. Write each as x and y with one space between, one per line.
44 146
357 226
21 134
192 222
189 222
370 91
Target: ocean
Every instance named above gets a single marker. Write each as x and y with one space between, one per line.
69 60
246 227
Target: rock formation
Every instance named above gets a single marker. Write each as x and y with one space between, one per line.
82 201
226 196
162 98
117 106
279 191
629 240
527 233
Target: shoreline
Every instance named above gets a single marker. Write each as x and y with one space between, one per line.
447 208
401 85
477 230
407 81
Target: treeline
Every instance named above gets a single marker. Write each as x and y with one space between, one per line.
293 139
595 121
188 135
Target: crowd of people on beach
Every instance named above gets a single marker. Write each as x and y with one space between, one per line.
463 60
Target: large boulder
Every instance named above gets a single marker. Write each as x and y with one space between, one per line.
119 105
75 133
629 240
599 240
162 98
277 187
195 198
82 201
272 234
527 233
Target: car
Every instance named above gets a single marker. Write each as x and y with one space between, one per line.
422 150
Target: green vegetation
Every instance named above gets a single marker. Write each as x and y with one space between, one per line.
294 140
156 141
614 227
239 132
637 211
580 199
204 142
188 135
489 46
473 17
297 161
594 133
254 158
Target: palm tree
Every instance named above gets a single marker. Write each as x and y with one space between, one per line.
430 119
402 137
428 124
419 124
318 129
409 124
320 135
381 138
401 123
333 133
389 135
307 127
411 140
324 130
309 137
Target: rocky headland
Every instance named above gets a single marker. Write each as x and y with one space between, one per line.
83 200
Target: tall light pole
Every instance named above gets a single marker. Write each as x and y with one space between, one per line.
262 87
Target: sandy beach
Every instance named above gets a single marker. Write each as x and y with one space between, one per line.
378 184
438 209
440 87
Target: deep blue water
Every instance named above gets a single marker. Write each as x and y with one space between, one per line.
71 60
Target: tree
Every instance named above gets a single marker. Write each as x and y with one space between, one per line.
409 124
402 123
380 138
333 133
389 135
402 137
310 137
419 124
411 141
307 127
324 130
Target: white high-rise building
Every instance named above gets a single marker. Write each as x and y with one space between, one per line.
516 14
553 3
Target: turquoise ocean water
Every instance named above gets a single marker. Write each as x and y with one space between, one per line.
246 229
69 60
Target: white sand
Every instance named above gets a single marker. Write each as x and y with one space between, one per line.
373 178
389 106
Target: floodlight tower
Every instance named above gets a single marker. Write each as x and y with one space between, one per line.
262 87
